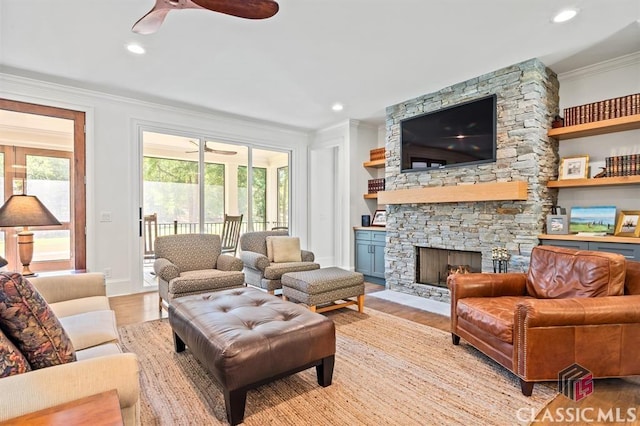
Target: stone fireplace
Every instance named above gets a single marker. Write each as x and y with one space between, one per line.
527 101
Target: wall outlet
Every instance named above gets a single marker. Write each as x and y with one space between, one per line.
107 272
105 216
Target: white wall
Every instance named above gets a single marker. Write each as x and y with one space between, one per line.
598 82
352 141
323 199
113 163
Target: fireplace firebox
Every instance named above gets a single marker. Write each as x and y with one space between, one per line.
434 265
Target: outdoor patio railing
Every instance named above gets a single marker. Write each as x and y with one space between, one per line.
210 227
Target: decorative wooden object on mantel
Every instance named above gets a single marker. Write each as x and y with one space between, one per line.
491 191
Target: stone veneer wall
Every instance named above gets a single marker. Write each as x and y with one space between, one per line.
527 101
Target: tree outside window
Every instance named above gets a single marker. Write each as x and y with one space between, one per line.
283 196
259 198
171 190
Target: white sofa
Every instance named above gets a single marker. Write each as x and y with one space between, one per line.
80 303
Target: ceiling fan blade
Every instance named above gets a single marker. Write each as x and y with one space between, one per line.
250 9
221 152
211 150
150 22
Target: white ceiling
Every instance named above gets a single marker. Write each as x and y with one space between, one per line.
290 69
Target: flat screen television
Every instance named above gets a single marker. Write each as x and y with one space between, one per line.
459 135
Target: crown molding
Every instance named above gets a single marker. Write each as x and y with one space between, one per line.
38 83
601 67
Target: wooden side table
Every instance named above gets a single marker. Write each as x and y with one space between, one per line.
102 409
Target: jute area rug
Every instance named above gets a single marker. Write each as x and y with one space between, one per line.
388 371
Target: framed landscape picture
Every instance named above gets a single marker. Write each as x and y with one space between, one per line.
628 224
593 219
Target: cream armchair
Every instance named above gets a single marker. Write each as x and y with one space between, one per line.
80 303
191 264
263 273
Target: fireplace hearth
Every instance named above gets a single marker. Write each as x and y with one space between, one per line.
434 265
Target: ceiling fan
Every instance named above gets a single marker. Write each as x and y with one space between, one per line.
214 151
249 9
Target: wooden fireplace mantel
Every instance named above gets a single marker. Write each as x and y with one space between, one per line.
491 191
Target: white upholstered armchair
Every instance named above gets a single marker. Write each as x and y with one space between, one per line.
264 268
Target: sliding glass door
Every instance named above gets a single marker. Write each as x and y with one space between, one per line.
189 183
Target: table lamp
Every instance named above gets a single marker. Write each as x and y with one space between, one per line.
25 210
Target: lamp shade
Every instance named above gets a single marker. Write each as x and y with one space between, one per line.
25 210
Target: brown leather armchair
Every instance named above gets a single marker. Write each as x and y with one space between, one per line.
572 307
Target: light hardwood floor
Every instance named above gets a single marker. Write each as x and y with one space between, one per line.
609 394
135 308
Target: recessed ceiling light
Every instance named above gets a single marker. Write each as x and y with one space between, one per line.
135 48
337 107
565 15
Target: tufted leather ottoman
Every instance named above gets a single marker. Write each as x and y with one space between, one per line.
246 338
323 286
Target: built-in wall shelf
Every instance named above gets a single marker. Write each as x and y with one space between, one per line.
371 196
629 122
377 164
491 191
605 181
606 239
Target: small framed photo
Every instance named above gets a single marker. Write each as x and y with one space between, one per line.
379 218
557 224
628 224
574 167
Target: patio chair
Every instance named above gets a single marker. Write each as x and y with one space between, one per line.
231 234
150 234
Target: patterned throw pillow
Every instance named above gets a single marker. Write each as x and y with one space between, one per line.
30 323
11 360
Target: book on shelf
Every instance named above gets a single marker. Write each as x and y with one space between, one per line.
623 165
602 110
376 185
376 154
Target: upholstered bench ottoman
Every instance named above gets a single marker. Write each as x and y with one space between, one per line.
324 286
246 338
